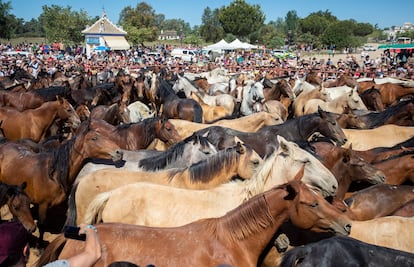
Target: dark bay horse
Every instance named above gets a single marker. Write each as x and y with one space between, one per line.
372 99
343 252
264 141
174 107
21 100
35 123
138 135
114 114
235 239
51 174
18 203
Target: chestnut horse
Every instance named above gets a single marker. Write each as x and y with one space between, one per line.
235 239
51 174
34 123
114 114
138 135
18 203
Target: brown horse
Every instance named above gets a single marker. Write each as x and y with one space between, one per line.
378 201
34 123
54 171
114 114
391 92
398 169
210 113
20 101
347 167
174 107
138 135
18 203
372 99
235 239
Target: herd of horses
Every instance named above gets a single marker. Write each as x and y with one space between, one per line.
212 169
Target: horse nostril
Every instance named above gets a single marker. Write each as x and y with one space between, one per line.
348 228
345 140
334 187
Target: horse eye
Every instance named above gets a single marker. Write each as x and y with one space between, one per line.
94 138
256 162
69 110
314 205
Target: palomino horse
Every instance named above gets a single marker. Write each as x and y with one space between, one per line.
139 135
114 114
222 167
55 170
174 107
182 154
382 136
378 201
18 203
210 113
282 166
350 100
240 236
250 123
381 232
264 141
300 101
34 123
345 251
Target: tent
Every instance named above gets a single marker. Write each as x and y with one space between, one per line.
237 44
396 46
101 48
220 45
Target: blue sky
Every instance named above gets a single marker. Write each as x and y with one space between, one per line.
381 12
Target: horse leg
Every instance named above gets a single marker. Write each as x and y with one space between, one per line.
42 209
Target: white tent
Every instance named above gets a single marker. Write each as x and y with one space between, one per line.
221 45
237 44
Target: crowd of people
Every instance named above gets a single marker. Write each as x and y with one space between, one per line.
50 58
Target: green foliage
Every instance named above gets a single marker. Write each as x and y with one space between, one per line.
7 21
363 29
141 23
62 24
211 29
313 24
241 19
341 35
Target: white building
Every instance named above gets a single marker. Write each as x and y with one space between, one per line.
103 34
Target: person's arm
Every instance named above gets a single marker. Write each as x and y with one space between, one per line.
92 251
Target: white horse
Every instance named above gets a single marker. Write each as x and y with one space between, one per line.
138 111
225 100
252 95
302 86
157 205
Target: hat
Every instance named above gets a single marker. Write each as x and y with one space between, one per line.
13 238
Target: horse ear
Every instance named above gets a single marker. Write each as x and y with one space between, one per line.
321 112
291 192
23 185
58 97
300 173
346 156
283 146
240 148
238 140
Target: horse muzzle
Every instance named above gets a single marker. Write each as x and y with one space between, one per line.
117 155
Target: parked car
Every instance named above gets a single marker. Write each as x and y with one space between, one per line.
369 48
185 54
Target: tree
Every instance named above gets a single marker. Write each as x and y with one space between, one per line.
140 23
62 24
339 34
210 28
7 20
241 19
313 24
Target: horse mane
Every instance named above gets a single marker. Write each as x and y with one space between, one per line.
160 161
4 189
403 153
206 170
378 118
60 164
249 218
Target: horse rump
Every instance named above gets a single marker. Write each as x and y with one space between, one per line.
341 251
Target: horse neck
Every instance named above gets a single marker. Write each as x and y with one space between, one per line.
48 111
340 171
76 158
253 224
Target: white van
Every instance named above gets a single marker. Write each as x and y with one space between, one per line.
185 54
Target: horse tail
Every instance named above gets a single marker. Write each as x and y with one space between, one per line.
52 251
72 212
93 214
292 257
198 113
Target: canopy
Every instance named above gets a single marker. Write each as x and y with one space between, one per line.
116 42
220 45
237 44
396 46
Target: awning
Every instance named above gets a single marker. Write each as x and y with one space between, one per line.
116 42
396 46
